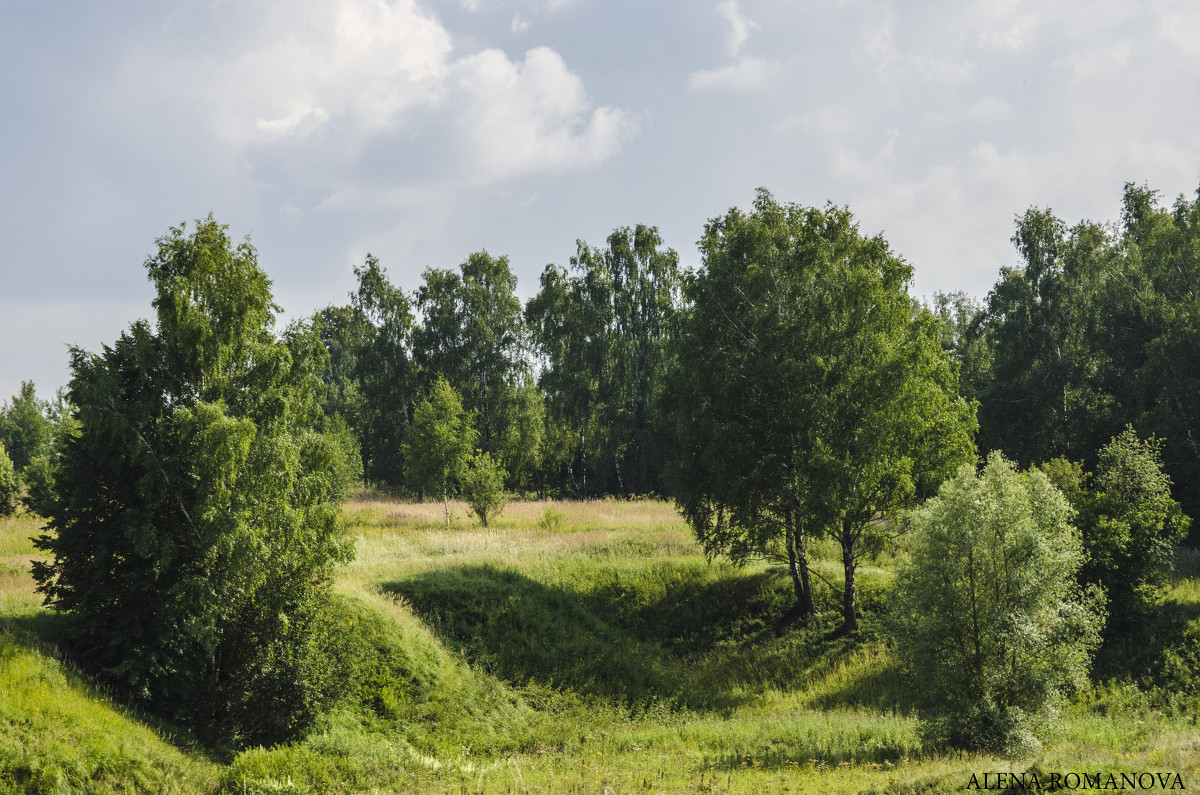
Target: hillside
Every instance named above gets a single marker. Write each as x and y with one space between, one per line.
571 647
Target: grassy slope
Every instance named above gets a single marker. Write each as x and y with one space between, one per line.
596 649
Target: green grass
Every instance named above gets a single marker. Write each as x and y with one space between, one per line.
571 647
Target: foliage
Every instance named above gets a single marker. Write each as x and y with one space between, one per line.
439 442
197 483
39 473
989 618
603 333
1047 396
10 484
811 394
1094 331
1129 524
372 369
524 443
472 335
483 486
26 427
346 473
964 336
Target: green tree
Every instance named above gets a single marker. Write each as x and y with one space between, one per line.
811 393
370 344
965 337
195 526
39 473
523 446
472 334
1129 524
439 442
10 484
603 333
1048 395
989 616
483 487
26 429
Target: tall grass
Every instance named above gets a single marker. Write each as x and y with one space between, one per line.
570 647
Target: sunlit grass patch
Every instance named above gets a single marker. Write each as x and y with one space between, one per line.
57 734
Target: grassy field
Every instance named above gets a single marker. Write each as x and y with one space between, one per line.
571 647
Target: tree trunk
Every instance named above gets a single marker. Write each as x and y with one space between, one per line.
850 592
446 496
798 565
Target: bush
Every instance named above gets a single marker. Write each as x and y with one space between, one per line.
1130 528
483 487
989 615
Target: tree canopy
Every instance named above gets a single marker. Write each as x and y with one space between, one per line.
195 523
811 394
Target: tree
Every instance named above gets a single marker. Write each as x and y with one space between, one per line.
194 526
26 429
811 393
370 345
1049 393
987 610
472 335
38 475
1129 524
483 487
10 484
603 333
965 337
439 442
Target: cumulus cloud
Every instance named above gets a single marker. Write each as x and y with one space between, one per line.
739 26
329 84
746 73
1181 27
363 61
533 116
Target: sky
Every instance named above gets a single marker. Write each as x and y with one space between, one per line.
424 130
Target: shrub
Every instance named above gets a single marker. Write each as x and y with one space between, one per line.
989 613
483 487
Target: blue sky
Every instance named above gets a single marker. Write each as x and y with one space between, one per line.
423 131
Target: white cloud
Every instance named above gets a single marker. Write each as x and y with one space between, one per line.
744 74
936 67
324 87
368 61
739 26
1181 27
1003 25
533 116
1096 60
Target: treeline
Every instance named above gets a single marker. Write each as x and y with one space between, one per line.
563 391
1096 330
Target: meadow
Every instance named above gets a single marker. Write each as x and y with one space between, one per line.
570 647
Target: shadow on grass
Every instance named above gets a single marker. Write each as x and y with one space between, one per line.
1170 632
46 633
528 632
